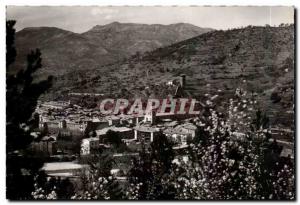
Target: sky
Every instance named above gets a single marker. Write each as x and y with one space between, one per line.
82 18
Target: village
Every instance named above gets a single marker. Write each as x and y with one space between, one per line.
68 134
63 123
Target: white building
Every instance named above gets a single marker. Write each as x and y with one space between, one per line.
150 116
88 145
63 169
56 104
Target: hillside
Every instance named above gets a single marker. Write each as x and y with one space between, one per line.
258 59
61 50
64 51
126 39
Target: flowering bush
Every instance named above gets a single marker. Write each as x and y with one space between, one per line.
41 193
97 183
232 158
98 189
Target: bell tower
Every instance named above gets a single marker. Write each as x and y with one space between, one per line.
182 80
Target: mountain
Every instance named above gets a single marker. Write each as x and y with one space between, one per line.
257 59
64 51
127 39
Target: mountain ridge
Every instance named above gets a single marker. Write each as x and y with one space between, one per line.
65 51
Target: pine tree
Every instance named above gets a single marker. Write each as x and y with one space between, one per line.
21 93
21 99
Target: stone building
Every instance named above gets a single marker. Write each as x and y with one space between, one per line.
47 145
145 133
124 132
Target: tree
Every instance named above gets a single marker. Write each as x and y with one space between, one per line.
149 175
21 99
113 138
162 152
234 165
97 180
10 42
140 177
53 188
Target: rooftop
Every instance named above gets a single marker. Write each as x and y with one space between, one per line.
142 128
91 139
113 128
56 166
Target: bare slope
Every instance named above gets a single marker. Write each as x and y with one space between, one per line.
258 59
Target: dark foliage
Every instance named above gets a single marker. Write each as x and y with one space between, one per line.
151 170
10 41
22 94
